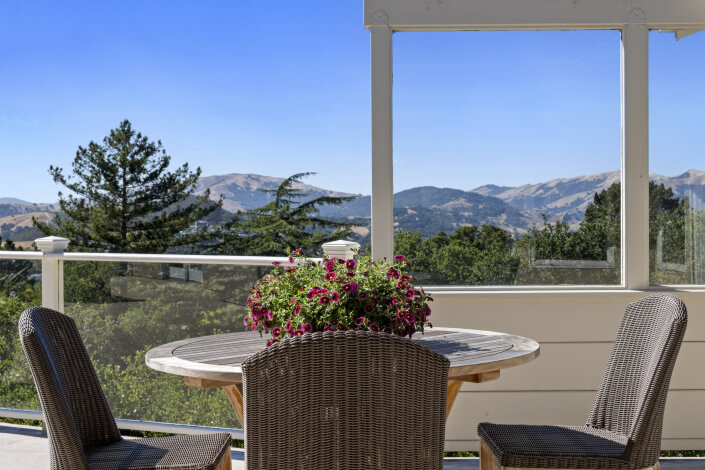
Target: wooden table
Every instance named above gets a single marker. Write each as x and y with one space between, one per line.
214 361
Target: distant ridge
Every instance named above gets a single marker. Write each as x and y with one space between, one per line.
427 208
13 200
243 191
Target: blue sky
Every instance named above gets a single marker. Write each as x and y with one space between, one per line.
278 87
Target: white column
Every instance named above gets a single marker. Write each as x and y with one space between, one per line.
635 152
344 249
52 271
382 172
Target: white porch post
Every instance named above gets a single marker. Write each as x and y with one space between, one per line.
635 152
52 271
382 172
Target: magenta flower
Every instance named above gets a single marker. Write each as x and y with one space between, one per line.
324 300
393 273
330 276
307 327
342 327
291 260
350 273
288 325
270 342
270 315
330 265
312 293
340 260
296 252
335 297
350 264
362 295
276 332
297 310
401 285
369 308
276 263
327 328
374 327
399 258
410 293
360 321
350 287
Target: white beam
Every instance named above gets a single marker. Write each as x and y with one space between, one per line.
635 156
382 174
450 15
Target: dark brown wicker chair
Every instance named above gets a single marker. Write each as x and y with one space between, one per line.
623 430
345 400
82 431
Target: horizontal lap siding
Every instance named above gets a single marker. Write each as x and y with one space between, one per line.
576 332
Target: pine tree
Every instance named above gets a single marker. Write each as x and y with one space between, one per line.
125 199
284 224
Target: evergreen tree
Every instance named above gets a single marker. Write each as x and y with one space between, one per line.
284 224
125 199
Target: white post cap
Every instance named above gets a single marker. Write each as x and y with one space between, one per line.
52 244
341 249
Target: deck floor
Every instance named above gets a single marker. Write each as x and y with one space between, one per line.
24 448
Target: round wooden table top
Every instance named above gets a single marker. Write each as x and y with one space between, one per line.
472 353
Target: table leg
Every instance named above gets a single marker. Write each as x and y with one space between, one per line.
234 394
453 389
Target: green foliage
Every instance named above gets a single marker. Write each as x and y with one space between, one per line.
283 225
135 391
337 294
470 256
125 199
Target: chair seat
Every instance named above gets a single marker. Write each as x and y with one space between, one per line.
519 445
183 452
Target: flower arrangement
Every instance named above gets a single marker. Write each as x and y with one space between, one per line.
337 294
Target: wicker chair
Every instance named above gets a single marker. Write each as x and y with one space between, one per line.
345 400
82 431
623 430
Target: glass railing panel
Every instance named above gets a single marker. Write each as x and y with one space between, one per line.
19 289
124 309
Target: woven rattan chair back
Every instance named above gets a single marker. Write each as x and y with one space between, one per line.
76 412
345 400
632 395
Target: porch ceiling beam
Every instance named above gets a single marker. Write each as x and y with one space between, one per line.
458 15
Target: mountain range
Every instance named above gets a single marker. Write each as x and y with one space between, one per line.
426 208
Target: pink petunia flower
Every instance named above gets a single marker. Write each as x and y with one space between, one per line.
350 287
350 264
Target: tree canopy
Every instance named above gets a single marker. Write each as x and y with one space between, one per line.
125 199
284 224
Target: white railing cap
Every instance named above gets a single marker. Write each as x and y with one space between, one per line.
52 244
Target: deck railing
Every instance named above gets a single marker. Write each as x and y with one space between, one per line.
125 303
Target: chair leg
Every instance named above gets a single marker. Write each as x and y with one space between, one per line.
486 457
